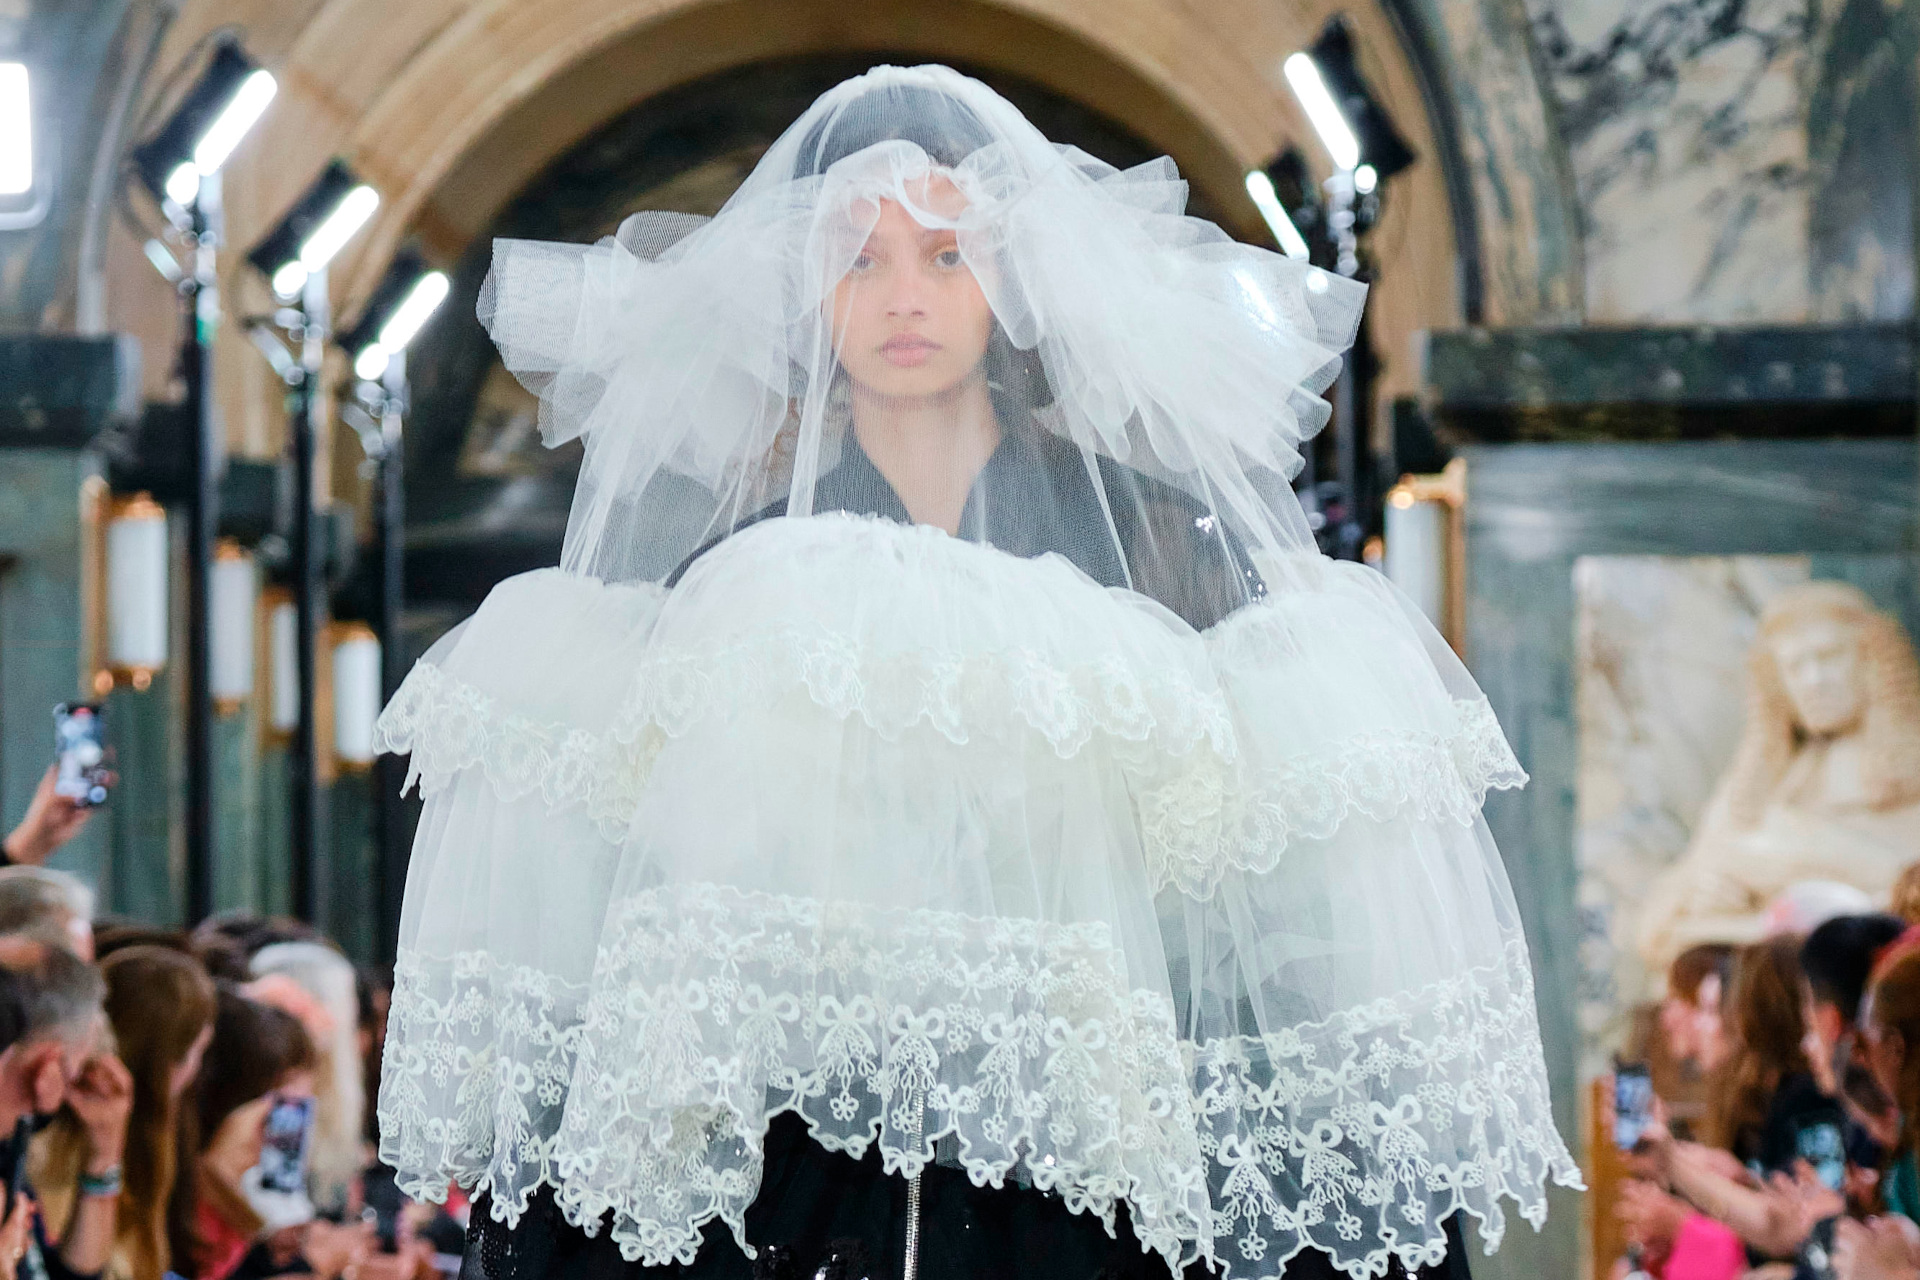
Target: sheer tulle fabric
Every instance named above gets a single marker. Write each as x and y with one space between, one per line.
1119 846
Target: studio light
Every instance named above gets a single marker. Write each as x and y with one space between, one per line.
405 300
221 108
318 226
1336 135
1267 200
1354 128
16 130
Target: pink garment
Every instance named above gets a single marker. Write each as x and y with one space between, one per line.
1704 1250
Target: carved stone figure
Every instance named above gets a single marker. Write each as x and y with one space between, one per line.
1825 784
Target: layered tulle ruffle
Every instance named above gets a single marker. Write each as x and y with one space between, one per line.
966 856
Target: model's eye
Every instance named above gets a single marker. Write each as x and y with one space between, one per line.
948 258
865 262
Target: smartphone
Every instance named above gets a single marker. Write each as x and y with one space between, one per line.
283 1154
1632 1103
80 753
1821 1144
1814 1261
17 1173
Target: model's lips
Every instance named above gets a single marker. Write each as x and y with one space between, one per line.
906 349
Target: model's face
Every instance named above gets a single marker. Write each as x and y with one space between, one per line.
1819 663
909 319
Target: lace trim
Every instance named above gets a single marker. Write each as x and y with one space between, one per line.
449 726
1199 826
1195 827
714 1010
965 697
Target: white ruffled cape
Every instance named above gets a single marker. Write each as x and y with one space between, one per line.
915 838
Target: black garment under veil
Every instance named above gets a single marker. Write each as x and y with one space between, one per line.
1116 867
821 1214
1034 497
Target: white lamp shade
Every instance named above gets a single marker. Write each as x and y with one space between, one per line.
356 694
1416 560
232 590
137 554
283 643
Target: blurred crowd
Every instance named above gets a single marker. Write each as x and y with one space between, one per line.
1788 1149
189 1104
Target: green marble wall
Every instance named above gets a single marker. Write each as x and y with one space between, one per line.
40 627
1531 510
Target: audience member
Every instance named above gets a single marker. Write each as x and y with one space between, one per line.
1890 1034
52 820
1836 960
39 902
57 1061
160 1005
1904 901
1765 1095
256 1050
328 978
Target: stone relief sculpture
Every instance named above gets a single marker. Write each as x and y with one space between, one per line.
1825 784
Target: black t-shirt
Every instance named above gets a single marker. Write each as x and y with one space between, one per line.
1802 1123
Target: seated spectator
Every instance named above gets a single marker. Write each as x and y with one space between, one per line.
332 1016
1904 900
57 1062
1765 1100
258 1056
52 906
160 1006
1890 1034
1837 959
16 1232
52 820
1690 1015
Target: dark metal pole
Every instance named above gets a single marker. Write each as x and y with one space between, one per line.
390 530
308 596
200 301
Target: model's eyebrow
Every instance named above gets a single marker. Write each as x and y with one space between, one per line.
937 233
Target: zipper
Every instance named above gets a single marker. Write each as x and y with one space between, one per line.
910 1264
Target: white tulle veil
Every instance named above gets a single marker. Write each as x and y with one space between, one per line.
1107 840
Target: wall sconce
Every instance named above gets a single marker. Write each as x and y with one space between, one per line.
356 693
232 596
283 671
136 552
1426 546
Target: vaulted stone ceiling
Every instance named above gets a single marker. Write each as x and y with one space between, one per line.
468 113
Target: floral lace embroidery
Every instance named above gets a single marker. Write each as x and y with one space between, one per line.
1201 825
713 1010
963 697
1197 822
448 726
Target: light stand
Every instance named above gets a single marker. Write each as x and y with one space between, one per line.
377 419
294 259
400 306
180 166
1365 150
200 308
309 594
